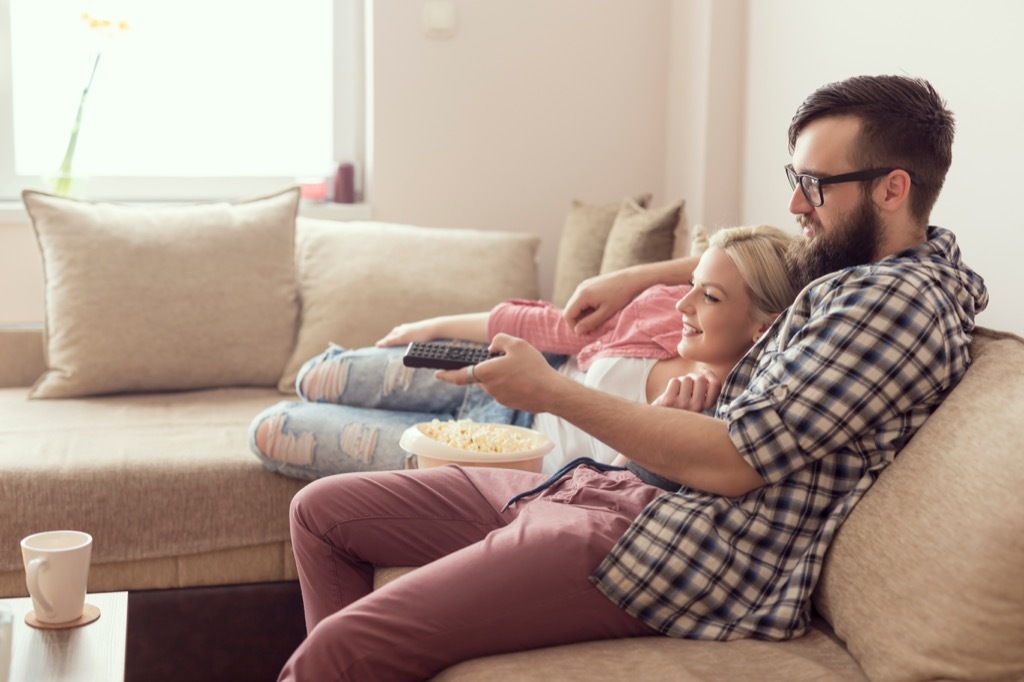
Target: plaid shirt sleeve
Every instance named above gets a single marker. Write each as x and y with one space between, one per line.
819 407
842 380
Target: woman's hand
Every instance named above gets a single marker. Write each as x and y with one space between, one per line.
695 392
596 299
404 334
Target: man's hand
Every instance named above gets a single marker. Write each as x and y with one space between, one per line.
521 378
695 392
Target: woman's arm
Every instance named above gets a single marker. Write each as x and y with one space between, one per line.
541 324
598 298
468 326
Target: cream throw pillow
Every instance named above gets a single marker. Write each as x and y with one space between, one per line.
925 579
581 246
641 235
165 298
358 280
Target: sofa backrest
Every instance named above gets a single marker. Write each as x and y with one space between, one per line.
925 579
21 355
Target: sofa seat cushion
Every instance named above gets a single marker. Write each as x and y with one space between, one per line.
816 657
150 476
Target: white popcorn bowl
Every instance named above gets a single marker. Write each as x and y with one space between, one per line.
427 452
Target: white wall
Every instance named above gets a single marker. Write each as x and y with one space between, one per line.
972 54
533 103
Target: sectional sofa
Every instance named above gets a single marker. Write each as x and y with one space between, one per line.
168 329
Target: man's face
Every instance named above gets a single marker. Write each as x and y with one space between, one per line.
846 229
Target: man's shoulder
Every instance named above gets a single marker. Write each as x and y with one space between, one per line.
904 278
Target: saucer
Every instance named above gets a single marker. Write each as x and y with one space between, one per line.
89 614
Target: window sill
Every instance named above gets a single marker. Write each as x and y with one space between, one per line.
13 212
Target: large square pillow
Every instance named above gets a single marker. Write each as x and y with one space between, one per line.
358 280
165 297
645 235
581 246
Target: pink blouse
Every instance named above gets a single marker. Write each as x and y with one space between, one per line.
649 327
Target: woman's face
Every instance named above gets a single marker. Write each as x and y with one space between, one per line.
717 324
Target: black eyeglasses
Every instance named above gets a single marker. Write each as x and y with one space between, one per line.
811 185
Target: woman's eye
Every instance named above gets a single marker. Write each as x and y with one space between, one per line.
708 297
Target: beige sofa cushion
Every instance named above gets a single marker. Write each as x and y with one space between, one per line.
581 246
165 298
153 477
21 355
816 657
645 235
357 280
925 580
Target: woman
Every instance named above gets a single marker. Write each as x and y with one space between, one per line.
357 403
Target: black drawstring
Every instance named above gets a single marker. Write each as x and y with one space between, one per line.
555 477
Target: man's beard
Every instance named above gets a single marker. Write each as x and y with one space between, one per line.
853 241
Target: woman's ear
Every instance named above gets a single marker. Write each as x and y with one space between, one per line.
765 326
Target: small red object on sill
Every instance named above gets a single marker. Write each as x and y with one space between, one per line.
344 184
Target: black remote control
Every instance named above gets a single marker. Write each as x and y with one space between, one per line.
444 355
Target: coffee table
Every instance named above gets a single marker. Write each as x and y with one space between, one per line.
91 653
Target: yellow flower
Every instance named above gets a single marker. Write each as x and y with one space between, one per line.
98 24
63 180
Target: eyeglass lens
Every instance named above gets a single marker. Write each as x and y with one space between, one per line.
812 190
809 185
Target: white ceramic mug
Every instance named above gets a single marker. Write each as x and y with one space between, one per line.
56 573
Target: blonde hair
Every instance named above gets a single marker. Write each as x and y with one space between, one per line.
759 252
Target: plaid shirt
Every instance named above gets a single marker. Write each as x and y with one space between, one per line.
819 407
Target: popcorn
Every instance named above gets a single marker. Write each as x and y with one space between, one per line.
465 434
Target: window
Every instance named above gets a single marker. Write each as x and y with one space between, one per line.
191 99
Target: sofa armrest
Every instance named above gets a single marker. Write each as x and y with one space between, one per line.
21 355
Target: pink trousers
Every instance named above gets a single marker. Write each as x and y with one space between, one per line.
490 581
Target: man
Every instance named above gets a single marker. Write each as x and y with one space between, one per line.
803 425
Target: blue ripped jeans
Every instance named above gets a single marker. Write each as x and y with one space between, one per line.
355 405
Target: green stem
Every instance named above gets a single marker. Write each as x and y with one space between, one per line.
63 182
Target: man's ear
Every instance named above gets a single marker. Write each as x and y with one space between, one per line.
894 189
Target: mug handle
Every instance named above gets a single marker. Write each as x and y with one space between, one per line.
32 573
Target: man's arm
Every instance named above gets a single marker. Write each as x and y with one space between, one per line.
686 447
598 298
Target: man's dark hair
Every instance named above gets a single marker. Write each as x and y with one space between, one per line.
904 124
